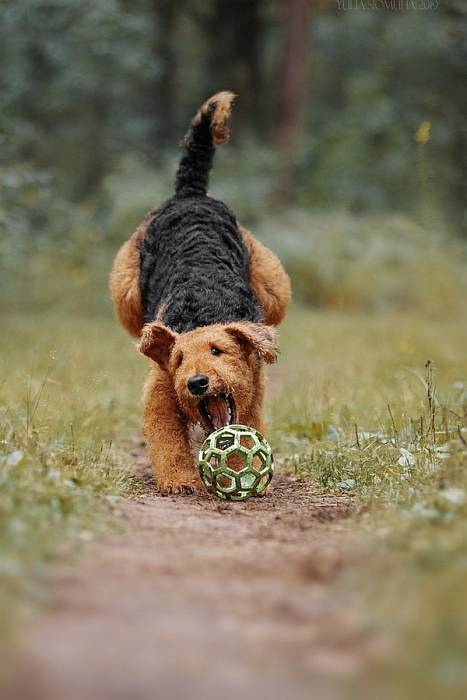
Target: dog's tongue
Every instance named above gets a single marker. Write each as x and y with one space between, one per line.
219 411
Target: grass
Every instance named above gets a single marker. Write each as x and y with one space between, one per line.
355 413
352 403
359 409
69 402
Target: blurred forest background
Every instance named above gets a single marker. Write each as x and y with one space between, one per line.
348 136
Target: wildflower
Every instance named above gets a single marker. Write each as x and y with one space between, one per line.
423 132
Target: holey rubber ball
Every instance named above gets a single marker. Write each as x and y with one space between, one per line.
236 462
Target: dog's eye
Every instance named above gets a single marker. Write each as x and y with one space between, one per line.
215 351
178 360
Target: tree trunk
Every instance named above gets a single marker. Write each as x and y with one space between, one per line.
292 89
164 51
235 29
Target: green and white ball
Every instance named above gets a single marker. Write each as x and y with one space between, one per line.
236 462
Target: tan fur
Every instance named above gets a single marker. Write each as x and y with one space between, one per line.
220 119
167 436
268 279
124 280
171 409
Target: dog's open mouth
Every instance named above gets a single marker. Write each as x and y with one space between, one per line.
218 410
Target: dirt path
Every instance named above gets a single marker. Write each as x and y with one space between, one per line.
202 599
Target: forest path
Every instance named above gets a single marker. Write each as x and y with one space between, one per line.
199 599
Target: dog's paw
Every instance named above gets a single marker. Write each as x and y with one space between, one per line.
185 486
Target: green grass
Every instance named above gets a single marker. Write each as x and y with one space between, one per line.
354 411
357 409
69 402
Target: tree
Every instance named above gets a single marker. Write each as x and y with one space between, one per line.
164 52
292 88
235 31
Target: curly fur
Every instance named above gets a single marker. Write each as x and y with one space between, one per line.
209 127
194 263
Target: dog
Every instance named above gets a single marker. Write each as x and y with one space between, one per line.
203 296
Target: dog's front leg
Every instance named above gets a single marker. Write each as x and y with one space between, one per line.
166 435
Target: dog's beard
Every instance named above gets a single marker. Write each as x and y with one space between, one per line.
218 410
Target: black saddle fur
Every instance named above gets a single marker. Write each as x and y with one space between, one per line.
195 267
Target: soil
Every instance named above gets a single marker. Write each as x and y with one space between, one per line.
200 598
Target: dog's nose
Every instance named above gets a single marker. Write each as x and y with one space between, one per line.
198 384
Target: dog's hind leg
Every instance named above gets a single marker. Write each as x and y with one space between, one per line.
167 438
124 280
269 280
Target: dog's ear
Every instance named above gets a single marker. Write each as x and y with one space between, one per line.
256 336
157 342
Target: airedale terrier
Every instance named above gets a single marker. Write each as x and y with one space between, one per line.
203 295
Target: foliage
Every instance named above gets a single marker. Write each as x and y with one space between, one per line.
369 262
89 85
370 98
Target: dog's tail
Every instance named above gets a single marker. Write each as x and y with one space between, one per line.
208 129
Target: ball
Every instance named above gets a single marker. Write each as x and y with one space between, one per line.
236 462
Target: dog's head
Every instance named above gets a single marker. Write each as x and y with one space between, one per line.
213 368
